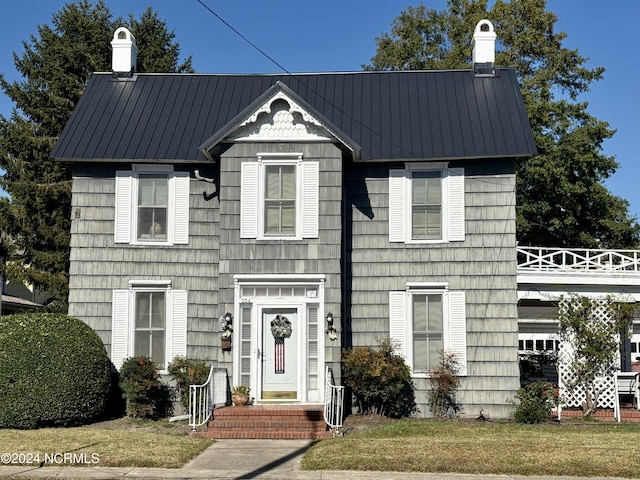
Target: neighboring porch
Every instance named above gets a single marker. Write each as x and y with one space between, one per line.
545 277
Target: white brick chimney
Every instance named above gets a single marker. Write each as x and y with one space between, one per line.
125 52
484 48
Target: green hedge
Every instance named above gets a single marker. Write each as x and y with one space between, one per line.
54 371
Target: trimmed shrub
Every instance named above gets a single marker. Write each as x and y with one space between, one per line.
146 395
380 381
54 372
535 402
186 372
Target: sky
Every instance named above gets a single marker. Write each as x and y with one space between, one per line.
339 35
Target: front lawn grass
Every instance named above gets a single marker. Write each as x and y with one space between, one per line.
114 448
484 448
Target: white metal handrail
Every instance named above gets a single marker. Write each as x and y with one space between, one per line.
202 398
544 259
333 403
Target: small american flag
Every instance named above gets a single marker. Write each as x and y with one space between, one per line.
278 356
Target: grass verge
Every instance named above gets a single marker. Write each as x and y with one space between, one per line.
484 448
111 447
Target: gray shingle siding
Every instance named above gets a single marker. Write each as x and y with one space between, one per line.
483 266
320 255
99 266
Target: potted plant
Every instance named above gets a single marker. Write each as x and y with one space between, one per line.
240 395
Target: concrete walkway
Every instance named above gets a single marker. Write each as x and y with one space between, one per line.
245 459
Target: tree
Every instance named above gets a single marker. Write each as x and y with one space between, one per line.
592 329
157 51
578 211
55 67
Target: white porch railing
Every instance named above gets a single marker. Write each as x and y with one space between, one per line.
544 259
333 402
202 398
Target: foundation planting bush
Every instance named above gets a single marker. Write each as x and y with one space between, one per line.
186 372
145 394
54 372
380 380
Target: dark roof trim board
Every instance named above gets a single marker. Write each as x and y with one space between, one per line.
228 129
383 116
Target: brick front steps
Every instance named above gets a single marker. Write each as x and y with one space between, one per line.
268 422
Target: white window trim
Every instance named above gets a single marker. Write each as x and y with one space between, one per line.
454 322
400 207
126 205
252 222
123 321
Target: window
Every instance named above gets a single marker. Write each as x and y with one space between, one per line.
426 205
153 202
427 331
149 319
150 324
152 206
425 319
279 198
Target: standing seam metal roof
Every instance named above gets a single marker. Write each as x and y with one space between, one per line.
407 115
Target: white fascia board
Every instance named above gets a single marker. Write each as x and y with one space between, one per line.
572 278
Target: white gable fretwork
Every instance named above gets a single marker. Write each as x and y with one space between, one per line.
282 119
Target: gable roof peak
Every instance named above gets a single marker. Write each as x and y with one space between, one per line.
279 114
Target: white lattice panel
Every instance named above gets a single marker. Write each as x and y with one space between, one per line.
575 396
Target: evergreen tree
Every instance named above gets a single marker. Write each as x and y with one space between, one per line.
562 200
157 51
55 66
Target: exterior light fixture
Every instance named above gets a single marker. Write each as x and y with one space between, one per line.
331 330
227 331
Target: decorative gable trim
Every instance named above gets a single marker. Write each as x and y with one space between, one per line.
279 114
281 119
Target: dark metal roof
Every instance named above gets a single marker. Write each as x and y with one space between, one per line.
408 115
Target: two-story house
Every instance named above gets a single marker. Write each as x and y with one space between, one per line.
382 203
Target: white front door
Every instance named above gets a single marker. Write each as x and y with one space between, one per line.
279 359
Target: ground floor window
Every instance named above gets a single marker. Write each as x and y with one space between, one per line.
426 319
149 319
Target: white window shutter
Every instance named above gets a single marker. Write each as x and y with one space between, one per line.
398 322
249 200
123 206
178 340
310 198
181 183
457 331
397 206
120 327
455 178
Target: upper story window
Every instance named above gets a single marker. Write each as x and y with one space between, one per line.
426 204
152 206
279 198
153 202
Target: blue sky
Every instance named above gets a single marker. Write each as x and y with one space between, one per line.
339 35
